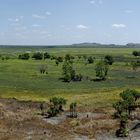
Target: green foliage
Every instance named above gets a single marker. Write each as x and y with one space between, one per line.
109 59
56 106
68 72
124 108
136 53
101 70
128 102
85 57
37 56
69 58
24 56
59 59
57 62
90 60
47 55
123 131
135 64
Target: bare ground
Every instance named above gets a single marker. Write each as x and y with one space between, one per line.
21 120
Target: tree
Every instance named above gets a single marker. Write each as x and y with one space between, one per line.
101 70
124 108
136 53
123 131
59 59
24 56
68 72
38 56
47 55
69 58
56 106
109 59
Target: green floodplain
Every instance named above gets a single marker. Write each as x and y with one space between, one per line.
22 79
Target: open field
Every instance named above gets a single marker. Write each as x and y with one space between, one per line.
21 78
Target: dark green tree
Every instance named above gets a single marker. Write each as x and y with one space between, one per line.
38 56
47 55
24 56
136 53
59 59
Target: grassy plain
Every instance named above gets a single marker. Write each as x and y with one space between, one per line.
21 79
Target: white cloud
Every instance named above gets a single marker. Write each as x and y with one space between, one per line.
35 25
48 13
92 1
38 16
119 25
80 26
96 2
13 20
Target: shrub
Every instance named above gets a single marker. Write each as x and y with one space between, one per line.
57 62
109 59
90 60
24 56
135 64
59 59
136 53
37 56
56 106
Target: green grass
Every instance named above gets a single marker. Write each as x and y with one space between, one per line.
21 79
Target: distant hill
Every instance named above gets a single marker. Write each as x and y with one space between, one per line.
78 45
86 44
135 45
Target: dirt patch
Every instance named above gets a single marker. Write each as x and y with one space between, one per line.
21 120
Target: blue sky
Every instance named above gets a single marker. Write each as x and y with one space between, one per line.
50 22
